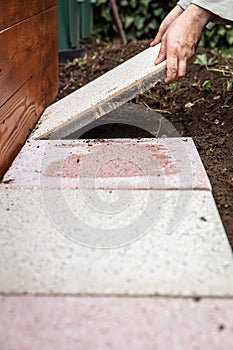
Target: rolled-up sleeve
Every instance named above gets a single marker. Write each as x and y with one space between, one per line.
183 3
221 8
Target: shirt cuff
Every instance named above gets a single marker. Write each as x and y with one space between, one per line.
222 9
183 4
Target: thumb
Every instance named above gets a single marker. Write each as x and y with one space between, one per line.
155 41
158 36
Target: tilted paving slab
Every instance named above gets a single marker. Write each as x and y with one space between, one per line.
165 243
167 163
101 95
28 322
129 119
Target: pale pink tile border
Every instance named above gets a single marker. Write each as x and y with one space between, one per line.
92 323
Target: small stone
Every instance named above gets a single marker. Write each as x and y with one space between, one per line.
221 327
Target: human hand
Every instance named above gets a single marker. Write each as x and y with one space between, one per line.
173 14
180 39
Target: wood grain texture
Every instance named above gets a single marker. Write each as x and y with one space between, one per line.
28 77
14 11
20 113
24 49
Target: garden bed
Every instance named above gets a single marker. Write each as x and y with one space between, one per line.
199 105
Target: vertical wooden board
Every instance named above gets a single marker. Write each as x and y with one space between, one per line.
14 11
20 113
24 49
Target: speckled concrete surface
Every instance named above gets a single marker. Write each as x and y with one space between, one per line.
170 163
91 323
178 244
102 95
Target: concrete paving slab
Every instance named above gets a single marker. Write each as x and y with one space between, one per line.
101 96
165 242
115 323
108 164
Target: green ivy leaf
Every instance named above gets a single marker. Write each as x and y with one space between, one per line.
139 23
201 59
151 14
212 61
128 21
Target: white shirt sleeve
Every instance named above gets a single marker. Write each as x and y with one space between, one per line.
223 9
183 3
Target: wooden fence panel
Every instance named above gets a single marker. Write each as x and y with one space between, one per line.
24 50
12 12
28 74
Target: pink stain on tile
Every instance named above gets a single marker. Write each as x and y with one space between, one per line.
90 323
107 162
144 164
68 167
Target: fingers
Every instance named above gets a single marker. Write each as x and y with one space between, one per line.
158 37
176 60
162 53
155 41
176 67
172 67
176 12
178 42
182 67
176 63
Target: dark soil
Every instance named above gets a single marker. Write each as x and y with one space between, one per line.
204 115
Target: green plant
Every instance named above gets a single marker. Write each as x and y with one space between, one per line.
198 101
203 60
228 84
207 85
219 38
174 86
79 64
141 20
